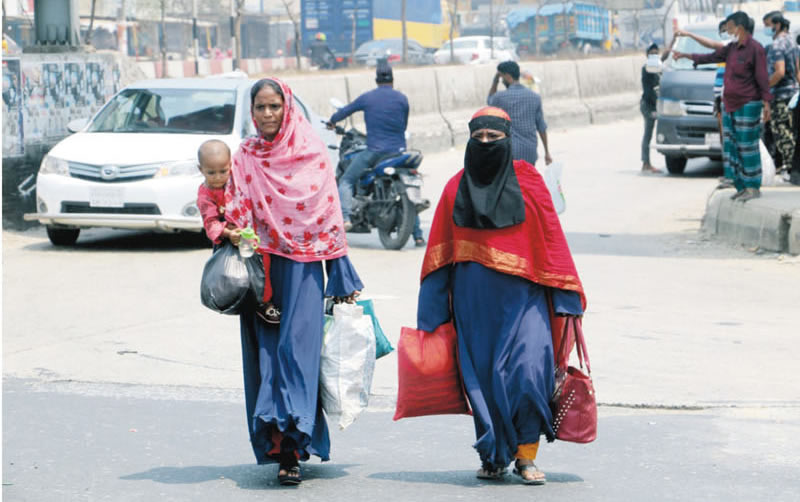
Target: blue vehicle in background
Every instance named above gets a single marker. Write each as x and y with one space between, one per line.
387 197
558 26
346 24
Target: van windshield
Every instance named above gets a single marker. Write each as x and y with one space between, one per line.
690 46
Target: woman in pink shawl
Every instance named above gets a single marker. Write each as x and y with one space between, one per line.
283 186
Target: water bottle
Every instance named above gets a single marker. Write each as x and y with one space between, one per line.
248 242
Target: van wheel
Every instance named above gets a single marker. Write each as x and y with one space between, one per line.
675 164
63 236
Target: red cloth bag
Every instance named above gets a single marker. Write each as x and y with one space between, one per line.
428 375
574 403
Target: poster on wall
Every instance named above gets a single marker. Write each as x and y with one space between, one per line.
13 132
75 84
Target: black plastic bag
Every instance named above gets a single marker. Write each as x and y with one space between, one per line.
226 282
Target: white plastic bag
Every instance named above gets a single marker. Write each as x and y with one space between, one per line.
347 364
793 101
767 165
552 178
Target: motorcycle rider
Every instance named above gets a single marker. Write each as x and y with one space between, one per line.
386 115
321 54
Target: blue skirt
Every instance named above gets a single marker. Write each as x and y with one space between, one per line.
505 351
281 362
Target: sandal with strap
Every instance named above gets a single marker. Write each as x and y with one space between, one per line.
292 476
530 474
489 471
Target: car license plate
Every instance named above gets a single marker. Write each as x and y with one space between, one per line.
106 197
712 139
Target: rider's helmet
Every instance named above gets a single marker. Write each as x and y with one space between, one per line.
320 36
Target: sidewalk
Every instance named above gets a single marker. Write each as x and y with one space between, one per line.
771 222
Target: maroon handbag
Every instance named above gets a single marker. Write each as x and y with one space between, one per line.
574 405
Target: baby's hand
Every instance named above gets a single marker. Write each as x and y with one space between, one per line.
235 236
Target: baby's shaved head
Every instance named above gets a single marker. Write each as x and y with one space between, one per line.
213 150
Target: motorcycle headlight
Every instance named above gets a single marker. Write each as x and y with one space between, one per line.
670 107
54 165
179 168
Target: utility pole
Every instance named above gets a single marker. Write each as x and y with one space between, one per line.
122 29
195 43
91 25
234 54
405 33
491 27
163 39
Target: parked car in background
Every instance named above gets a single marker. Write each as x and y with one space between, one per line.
134 165
686 127
477 49
392 49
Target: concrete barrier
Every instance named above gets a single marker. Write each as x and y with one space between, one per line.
609 87
794 233
561 93
771 222
317 91
461 91
427 131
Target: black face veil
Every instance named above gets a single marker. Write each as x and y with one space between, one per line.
488 194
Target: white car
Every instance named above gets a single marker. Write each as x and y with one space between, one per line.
134 164
476 50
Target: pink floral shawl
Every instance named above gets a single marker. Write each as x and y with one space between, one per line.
286 190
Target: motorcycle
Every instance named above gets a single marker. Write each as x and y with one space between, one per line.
388 196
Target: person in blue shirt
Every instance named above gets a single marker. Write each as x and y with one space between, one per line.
386 115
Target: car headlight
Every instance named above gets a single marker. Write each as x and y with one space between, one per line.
54 165
179 168
670 107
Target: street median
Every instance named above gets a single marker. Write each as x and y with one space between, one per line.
770 223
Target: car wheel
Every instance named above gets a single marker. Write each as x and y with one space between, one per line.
675 164
63 236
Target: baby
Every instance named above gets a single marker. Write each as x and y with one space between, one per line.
214 162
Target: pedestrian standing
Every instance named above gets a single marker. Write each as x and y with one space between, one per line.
525 109
794 177
283 186
496 262
746 101
648 105
781 55
726 181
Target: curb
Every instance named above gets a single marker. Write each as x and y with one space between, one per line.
771 222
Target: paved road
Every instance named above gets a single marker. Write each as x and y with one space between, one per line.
109 336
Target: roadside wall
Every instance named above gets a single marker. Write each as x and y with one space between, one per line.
51 90
42 93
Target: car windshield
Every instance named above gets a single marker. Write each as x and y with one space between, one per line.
465 44
182 111
375 44
690 46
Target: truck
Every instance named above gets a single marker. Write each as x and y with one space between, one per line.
554 27
346 24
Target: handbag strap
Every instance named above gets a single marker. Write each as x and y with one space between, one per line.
558 354
580 344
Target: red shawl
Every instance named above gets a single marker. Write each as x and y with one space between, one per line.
285 190
535 249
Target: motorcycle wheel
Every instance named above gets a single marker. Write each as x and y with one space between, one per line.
396 236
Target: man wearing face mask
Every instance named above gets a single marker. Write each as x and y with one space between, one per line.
525 109
783 85
746 100
647 105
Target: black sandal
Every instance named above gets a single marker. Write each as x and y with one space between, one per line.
489 471
270 315
292 476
